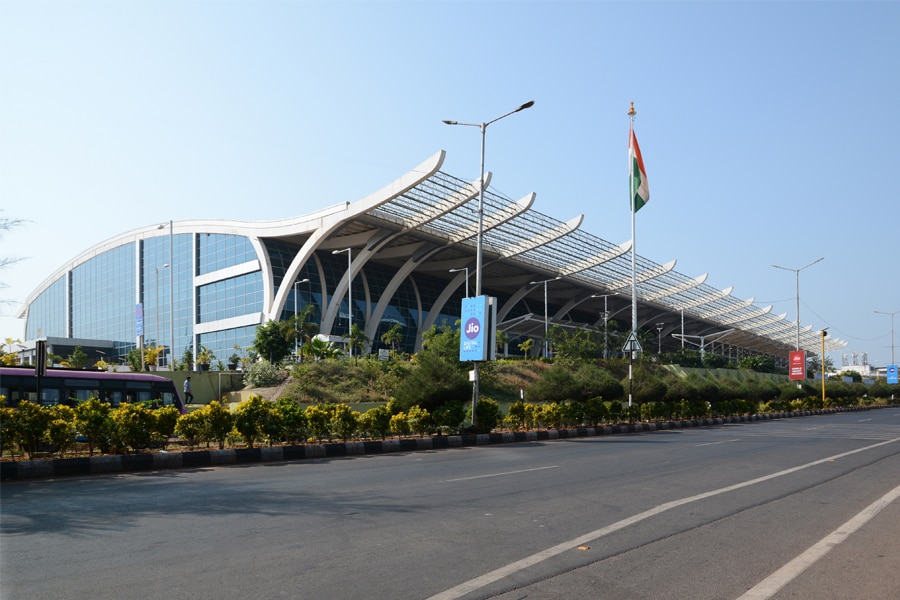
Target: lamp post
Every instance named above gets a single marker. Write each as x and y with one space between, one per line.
824 333
349 252
466 269
156 308
546 316
659 328
171 360
479 246
605 316
296 283
797 273
890 314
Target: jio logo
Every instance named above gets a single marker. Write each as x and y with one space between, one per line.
473 326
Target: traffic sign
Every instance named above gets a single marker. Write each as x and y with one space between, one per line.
632 344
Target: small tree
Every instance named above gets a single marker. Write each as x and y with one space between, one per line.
188 359
134 425
526 346
78 359
487 414
393 336
166 420
400 424
358 340
273 340
293 419
344 421
133 358
93 420
192 427
219 422
419 420
10 433
250 418
33 421
61 428
152 354
377 421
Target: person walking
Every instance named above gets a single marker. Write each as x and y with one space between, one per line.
188 396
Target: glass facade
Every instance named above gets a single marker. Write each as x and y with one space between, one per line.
230 298
47 314
103 298
227 342
96 299
217 251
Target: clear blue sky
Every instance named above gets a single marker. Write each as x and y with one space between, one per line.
769 129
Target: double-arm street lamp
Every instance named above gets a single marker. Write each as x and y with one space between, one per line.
479 243
891 315
546 315
349 252
797 273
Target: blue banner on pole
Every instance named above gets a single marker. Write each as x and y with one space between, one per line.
472 346
892 376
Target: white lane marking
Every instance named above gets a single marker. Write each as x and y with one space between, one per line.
501 474
529 561
769 586
716 443
863 420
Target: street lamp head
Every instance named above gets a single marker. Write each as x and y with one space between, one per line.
449 122
303 280
528 104
340 251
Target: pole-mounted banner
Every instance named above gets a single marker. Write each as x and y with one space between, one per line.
476 336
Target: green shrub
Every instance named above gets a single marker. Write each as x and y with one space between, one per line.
487 414
293 419
264 374
61 428
93 420
253 419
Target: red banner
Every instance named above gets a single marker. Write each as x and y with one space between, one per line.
798 364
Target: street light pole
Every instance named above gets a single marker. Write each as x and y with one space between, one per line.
156 308
296 283
349 252
479 244
890 314
170 363
171 360
466 269
659 328
546 316
797 273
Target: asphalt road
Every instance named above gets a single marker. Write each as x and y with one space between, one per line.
795 508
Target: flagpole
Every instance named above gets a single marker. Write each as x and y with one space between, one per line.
631 157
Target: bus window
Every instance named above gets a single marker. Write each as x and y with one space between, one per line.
49 396
115 398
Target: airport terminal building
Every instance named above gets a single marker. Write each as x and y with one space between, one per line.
404 254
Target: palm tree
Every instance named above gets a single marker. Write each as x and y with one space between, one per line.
302 327
358 339
526 346
318 349
392 336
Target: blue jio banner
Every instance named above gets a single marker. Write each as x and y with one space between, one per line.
472 341
892 374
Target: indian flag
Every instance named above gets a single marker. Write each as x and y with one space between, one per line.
639 188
